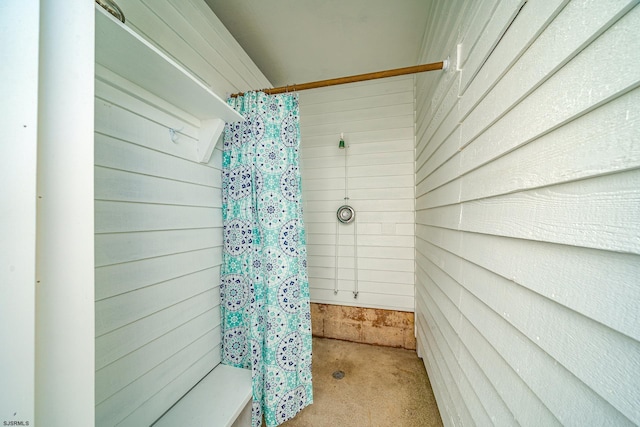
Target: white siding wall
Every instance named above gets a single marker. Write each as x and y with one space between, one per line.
528 212
377 121
158 221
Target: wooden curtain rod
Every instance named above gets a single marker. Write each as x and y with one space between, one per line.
357 78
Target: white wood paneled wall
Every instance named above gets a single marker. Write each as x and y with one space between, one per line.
377 121
528 212
158 221
191 34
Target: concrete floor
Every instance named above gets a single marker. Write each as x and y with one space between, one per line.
382 387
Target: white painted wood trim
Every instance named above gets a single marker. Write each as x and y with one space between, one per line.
19 26
65 326
124 52
217 400
210 132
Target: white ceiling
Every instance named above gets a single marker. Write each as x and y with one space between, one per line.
298 41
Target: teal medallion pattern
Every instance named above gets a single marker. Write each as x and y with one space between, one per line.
266 320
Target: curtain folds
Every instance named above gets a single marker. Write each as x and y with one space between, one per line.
266 322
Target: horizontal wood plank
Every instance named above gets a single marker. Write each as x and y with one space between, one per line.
532 20
211 29
121 372
124 217
125 247
120 310
134 395
475 57
117 154
147 412
124 340
116 122
601 142
602 67
599 213
125 277
119 186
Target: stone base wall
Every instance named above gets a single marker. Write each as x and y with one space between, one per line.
365 325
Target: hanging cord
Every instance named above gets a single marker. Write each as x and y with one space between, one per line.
335 288
335 285
346 181
355 222
346 219
355 258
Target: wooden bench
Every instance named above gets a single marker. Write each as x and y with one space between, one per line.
220 399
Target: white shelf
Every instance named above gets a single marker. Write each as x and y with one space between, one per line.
217 400
124 52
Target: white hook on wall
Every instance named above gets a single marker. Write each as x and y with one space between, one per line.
173 134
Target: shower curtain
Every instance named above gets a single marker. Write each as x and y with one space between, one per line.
266 322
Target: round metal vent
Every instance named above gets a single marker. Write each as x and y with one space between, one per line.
346 214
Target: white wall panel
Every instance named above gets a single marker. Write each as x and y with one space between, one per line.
377 121
527 220
158 240
145 217
192 35
115 344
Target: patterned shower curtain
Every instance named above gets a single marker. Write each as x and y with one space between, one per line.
266 322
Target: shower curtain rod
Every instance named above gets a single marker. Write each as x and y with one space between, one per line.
357 78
